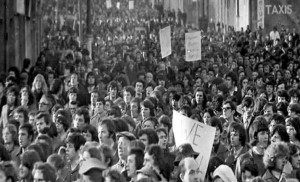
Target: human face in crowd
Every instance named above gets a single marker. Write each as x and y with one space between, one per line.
123 147
59 127
148 160
229 82
294 99
79 121
70 151
113 92
11 98
199 97
217 136
87 135
94 97
39 84
38 176
276 138
134 109
74 80
24 138
139 87
235 139
144 138
247 176
245 83
227 111
280 162
24 172
281 99
72 97
131 165
281 87
103 135
162 83
99 107
149 90
259 82
263 139
295 159
192 172
269 89
127 97
41 124
163 139
206 118
7 136
291 132
44 105
148 124
247 112
19 116
149 77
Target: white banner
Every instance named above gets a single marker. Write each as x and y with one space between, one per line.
261 13
193 46
165 41
108 4
199 135
131 4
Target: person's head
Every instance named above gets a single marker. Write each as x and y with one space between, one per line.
10 134
259 132
94 97
106 132
56 161
74 142
293 128
39 84
82 118
294 155
228 109
12 95
43 120
46 103
62 124
112 89
135 161
162 134
90 133
269 110
8 172
188 170
21 114
25 135
216 122
74 81
148 137
200 96
28 159
249 170
237 135
293 109
91 170
135 107
231 80
164 121
208 113
107 154
114 176
247 106
72 94
147 109
43 172
150 122
276 156
279 134
124 139
153 156
128 94
282 96
224 173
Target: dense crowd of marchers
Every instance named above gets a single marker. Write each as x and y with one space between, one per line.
106 115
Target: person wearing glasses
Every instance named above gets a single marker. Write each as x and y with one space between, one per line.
228 110
46 103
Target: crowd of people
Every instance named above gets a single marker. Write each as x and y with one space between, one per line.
106 115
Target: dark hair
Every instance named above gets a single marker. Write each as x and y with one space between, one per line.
232 105
259 124
28 127
62 120
139 157
216 122
138 101
82 111
279 119
92 130
107 153
46 116
4 155
130 89
249 165
49 173
239 128
148 104
56 161
77 140
38 148
24 111
120 124
29 158
283 93
281 130
282 106
111 128
165 120
115 176
294 122
151 134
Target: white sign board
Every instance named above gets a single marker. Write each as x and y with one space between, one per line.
165 41
193 46
131 4
199 135
261 13
108 4
20 7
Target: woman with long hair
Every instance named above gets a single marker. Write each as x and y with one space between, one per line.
27 99
39 87
11 103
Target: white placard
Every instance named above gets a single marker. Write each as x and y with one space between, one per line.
193 46
108 4
199 135
165 41
131 4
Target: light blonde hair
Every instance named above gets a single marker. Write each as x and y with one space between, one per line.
44 84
